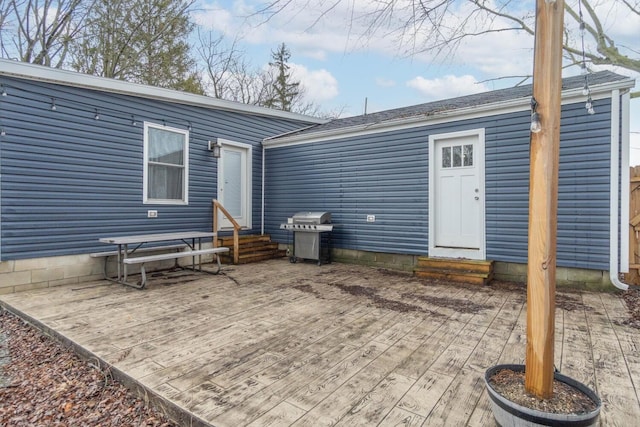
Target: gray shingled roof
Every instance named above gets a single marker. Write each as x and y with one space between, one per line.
431 108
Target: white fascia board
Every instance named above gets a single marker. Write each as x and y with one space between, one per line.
571 96
29 71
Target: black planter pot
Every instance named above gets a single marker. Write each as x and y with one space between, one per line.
509 414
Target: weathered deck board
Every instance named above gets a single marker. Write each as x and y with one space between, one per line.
399 418
279 344
615 384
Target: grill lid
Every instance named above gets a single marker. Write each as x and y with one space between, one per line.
312 218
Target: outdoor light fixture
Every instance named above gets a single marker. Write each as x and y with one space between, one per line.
215 146
583 69
53 104
97 115
536 126
4 91
133 121
589 106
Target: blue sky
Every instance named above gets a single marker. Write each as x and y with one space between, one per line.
340 63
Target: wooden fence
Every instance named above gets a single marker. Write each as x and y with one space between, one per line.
633 277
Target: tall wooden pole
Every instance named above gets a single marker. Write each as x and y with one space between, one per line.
543 199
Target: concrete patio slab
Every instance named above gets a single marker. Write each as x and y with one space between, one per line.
284 344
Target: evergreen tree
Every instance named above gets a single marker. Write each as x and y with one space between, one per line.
285 90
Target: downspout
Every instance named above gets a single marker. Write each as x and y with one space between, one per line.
614 191
262 195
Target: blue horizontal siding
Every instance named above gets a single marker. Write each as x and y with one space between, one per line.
68 179
353 178
386 174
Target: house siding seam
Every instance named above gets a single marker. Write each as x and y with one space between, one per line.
386 175
68 179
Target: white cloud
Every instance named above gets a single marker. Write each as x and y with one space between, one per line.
315 28
617 20
382 82
448 86
317 54
216 18
318 85
311 27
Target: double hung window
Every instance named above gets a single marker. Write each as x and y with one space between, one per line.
166 160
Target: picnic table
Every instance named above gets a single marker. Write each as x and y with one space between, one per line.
127 246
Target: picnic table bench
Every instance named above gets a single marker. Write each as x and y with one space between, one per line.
188 241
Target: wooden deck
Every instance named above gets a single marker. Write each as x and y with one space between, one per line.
285 344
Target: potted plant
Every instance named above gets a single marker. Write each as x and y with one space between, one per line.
533 385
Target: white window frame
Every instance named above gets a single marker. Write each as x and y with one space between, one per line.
145 174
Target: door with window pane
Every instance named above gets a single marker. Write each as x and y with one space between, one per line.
458 204
233 185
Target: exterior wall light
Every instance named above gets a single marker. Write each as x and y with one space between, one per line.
536 126
215 147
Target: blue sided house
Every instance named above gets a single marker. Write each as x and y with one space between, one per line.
82 157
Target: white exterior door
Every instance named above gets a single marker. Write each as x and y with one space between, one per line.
234 183
456 195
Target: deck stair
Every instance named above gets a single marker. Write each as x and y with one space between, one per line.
455 270
252 248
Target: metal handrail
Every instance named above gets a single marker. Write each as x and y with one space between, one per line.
236 227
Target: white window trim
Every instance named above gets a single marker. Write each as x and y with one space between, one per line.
145 160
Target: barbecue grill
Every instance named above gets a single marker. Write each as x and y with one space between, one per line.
311 236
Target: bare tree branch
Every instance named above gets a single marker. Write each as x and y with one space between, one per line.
40 31
440 26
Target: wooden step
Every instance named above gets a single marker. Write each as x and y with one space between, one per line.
249 239
477 272
454 264
265 247
251 248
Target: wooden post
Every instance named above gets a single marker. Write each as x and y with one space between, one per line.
543 199
215 223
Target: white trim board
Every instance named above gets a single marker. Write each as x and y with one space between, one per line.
479 157
603 91
28 71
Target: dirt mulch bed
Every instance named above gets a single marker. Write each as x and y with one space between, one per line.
565 400
44 384
632 298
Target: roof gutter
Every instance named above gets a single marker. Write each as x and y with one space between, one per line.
614 191
568 96
23 70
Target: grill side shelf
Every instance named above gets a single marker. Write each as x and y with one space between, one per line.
307 227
